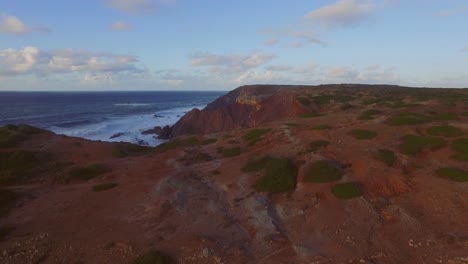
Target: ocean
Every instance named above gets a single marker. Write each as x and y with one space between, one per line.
101 115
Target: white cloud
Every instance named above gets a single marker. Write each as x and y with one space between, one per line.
271 42
97 79
138 7
276 68
465 49
121 26
296 35
12 25
342 13
452 12
230 63
14 62
251 77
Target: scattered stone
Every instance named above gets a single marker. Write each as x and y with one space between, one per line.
116 135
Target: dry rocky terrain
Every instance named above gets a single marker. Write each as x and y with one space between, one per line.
265 174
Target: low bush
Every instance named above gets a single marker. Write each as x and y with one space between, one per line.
256 164
255 135
403 119
413 144
104 187
89 172
318 144
122 150
460 146
8 200
231 152
386 156
291 124
369 114
363 134
280 176
304 100
347 190
454 174
322 172
310 115
153 257
177 143
445 131
322 127
209 141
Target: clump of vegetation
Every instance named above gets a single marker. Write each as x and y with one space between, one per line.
104 187
256 164
280 176
177 143
209 141
454 174
443 116
403 119
231 152
460 146
322 172
369 114
347 190
318 144
324 99
16 165
346 106
304 100
152 257
122 150
8 200
310 115
363 134
322 127
255 135
11 135
89 172
386 156
413 144
291 124
445 131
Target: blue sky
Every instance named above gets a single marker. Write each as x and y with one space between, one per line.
220 44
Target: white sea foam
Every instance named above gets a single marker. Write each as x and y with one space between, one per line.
130 127
131 104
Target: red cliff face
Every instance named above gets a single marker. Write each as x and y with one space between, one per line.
246 106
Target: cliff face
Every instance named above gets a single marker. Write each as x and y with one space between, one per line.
246 106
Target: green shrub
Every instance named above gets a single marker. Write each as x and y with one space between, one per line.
255 135
412 144
443 116
118 153
369 114
310 115
291 124
123 150
322 127
304 100
386 156
318 144
445 131
409 119
256 164
231 152
104 187
11 135
280 176
152 257
347 190
322 172
8 200
460 146
89 172
209 141
363 134
454 174
177 143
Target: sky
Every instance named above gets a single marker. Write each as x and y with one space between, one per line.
89 45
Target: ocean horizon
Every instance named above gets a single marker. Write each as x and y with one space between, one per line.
101 115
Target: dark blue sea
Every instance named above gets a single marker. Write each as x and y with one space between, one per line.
100 115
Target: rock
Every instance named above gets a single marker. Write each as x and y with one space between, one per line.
116 135
157 116
156 130
166 132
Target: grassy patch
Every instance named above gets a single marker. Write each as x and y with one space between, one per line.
255 135
122 150
369 114
209 141
412 144
280 176
443 116
321 172
256 164
231 152
8 200
322 127
104 187
291 124
347 190
363 134
89 172
16 165
11 135
454 174
386 156
403 119
304 100
177 143
152 257
318 144
445 131
460 146
310 115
